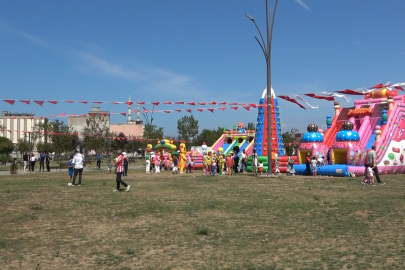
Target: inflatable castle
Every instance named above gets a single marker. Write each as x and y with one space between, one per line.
377 120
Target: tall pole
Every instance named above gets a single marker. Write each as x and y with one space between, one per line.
266 48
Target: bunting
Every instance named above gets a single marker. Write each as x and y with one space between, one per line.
293 101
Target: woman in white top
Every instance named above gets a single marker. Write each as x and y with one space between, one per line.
243 161
32 161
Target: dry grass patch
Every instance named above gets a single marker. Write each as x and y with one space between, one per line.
189 221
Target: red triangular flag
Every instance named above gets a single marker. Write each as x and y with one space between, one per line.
167 102
62 114
141 102
167 111
222 103
25 101
115 102
222 108
69 101
189 110
124 114
211 109
98 102
213 102
202 103
84 102
156 103
234 108
247 107
53 101
39 102
178 110
129 103
200 110
179 102
9 101
191 103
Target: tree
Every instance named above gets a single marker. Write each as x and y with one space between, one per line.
119 142
187 128
23 146
251 126
58 137
152 132
291 140
6 146
209 136
96 133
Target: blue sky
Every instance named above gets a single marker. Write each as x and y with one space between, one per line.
159 50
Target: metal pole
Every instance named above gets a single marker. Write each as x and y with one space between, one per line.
266 48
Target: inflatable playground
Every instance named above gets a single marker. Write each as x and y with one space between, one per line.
376 120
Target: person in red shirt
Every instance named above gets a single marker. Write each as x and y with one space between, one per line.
119 162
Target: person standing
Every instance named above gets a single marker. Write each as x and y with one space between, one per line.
42 161
328 157
25 159
290 166
314 164
254 161
229 163
78 167
32 162
126 162
372 158
48 161
243 168
308 164
119 162
99 157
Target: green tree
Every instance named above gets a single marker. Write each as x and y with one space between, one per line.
187 128
152 132
291 140
251 126
120 142
23 146
96 134
6 146
209 136
57 136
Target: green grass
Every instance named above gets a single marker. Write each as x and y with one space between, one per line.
188 221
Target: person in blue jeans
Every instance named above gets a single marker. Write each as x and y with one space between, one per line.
99 157
42 161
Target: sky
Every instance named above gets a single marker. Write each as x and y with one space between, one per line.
193 51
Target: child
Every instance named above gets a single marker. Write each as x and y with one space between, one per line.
109 166
229 164
213 165
260 167
370 175
70 170
277 163
157 164
14 166
175 164
314 163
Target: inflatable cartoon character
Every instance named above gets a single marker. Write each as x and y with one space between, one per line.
241 128
183 159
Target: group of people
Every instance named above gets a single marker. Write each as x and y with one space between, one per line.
76 163
218 163
371 169
30 161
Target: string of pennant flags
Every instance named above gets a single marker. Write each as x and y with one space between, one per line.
328 96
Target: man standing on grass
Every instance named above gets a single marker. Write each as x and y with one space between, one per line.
119 163
372 157
78 167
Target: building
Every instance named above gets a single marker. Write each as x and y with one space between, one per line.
79 122
15 126
133 128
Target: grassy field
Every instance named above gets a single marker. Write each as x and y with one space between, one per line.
189 221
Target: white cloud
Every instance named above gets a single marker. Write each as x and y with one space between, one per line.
152 79
301 3
9 29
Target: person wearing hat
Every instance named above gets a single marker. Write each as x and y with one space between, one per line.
119 163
